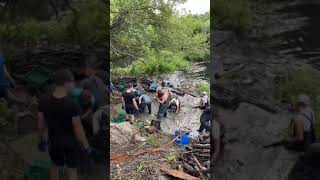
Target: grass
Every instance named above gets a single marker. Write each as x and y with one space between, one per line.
233 14
203 87
154 63
153 140
304 80
172 156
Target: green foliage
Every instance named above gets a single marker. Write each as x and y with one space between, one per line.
233 14
32 31
172 156
154 39
203 87
87 27
304 81
154 64
153 140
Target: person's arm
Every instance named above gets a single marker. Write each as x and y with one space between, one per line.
135 103
87 113
298 130
122 101
164 98
12 81
42 126
178 106
140 98
201 102
79 131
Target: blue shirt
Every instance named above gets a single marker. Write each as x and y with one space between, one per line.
3 79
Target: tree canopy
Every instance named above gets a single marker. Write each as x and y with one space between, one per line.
152 37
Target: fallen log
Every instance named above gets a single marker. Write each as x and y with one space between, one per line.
201 146
189 169
202 168
178 174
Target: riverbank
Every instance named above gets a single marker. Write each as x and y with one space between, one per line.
147 166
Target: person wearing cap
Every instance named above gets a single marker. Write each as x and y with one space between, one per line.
302 132
204 101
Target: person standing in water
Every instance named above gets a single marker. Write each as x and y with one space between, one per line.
129 103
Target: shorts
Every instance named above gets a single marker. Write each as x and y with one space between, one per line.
130 110
65 153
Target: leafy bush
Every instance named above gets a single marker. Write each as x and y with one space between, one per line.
203 87
233 14
304 80
154 64
87 28
153 140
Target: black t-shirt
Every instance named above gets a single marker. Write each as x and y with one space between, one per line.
128 98
58 114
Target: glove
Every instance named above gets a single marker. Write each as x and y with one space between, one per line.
43 146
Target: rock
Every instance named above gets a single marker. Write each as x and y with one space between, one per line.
151 129
123 133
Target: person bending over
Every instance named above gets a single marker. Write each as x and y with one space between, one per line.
144 101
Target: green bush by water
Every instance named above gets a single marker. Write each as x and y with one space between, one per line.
155 63
203 87
233 14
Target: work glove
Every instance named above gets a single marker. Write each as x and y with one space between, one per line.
43 146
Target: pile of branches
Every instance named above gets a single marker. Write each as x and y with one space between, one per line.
53 58
196 159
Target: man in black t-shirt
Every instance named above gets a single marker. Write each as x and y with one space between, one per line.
129 103
60 115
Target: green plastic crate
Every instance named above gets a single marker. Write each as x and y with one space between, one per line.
121 118
38 77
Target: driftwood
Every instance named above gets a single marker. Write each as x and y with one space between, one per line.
201 146
178 174
202 168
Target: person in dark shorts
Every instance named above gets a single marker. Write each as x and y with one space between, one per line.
129 103
60 115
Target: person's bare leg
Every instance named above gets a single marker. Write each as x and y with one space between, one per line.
132 119
54 172
72 174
